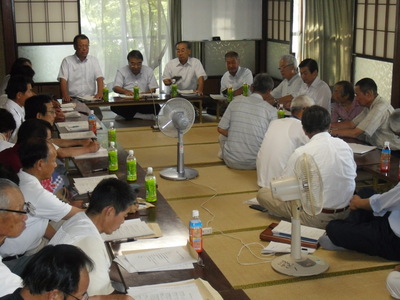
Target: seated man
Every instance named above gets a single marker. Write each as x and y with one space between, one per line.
135 74
372 124
110 203
41 107
19 89
313 86
38 158
290 85
244 123
281 139
12 223
335 161
345 108
7 127
188 70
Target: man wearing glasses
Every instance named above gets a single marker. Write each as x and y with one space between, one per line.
12 223
290 85
38 158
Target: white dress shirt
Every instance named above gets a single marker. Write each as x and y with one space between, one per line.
319 91
18 113
243 75
127 80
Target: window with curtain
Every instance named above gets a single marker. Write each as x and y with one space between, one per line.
116 27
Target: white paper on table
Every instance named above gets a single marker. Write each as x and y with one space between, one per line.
311 234
155 260
87 184
102 152
276 247
217 97
72 114
68 105
66 109
78 135
360 149
129 229
123 261
74 125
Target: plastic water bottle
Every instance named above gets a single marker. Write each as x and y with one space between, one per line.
385 157
229 94
174 89
281 112
151 185
112 157
92 122
136 95
245 89
131 174
112 134
196 232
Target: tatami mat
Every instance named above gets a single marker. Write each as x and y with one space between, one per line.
211 180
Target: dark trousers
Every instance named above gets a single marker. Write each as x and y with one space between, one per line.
128 112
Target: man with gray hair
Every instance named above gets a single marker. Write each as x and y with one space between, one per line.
286 135
291 84
13 215
244 123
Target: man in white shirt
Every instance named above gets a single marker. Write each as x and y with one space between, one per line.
109 205
281 139
129 76
19 89
188 71
12 223
290 85
80 74
313 86
244 123
335 161
38 158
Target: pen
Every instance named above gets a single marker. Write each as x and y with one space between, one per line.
119 241
99 170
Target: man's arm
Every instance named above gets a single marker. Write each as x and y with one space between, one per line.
200 85
123 91
92 147
222 131
353 133
70 143
100 86
359 203
64 90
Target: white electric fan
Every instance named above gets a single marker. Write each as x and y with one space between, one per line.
305 192
175 118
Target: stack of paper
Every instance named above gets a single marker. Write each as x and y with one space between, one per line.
194 289
308 234
78 135
276 247
173 258
87 184
360 149
74 126
102 152
129 229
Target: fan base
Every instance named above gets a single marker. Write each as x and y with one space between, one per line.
308 265
172 174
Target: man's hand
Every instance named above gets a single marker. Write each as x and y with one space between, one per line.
93 146
167 81
66 99
358 203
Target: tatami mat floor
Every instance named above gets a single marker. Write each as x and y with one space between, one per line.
220 194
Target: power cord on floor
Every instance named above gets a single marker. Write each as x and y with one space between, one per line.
267 258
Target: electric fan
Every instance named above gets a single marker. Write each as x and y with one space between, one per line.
305 192
175 118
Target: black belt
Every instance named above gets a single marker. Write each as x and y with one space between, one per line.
8 258
333 211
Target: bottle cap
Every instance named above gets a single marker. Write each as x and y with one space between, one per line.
130 152
195 213
111 124
149 170
112 144
387 144
281 105
91 111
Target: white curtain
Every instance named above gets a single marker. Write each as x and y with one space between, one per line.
116 27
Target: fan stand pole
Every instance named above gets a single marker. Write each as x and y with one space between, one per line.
296 263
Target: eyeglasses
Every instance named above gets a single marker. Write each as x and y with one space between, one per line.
282 68
28 209
84 297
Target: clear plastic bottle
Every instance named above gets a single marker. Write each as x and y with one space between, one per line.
136 94
112 134
385 157
281 112
112 157
196 232
245 89
229 94
174 89
151 186
131 174
92 122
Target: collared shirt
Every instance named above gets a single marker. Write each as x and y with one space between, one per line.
335 161
342 114
319 91
47 207
80 231
4 144
9 281
18 113
281 139
127 80
374 121
388 202
243 75
80 75
246 119
288 87
190 72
